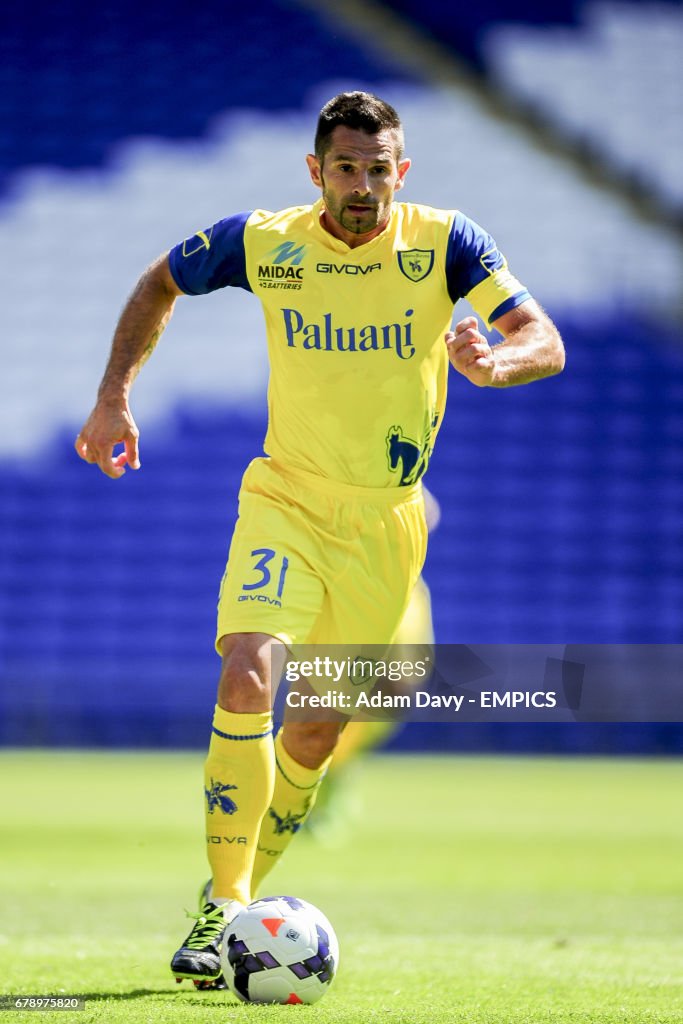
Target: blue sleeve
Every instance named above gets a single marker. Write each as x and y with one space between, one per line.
211 259
471 255
475 264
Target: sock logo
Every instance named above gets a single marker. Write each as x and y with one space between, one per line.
290 822
227 839
268 853
215 797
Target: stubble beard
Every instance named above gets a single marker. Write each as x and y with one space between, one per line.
357 224
360 224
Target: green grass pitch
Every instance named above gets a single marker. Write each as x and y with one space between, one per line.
478 890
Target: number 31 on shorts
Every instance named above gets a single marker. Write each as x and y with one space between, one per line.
262 566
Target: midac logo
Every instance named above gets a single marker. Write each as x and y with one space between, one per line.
288 253
284 270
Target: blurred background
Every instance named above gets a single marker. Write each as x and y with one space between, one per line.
125 128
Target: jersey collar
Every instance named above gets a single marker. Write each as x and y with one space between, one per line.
337 245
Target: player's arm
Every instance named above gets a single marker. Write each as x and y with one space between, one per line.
532 348
140 326
477 270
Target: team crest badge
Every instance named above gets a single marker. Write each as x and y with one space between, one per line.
416 264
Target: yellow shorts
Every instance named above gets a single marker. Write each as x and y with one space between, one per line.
316 561
416 626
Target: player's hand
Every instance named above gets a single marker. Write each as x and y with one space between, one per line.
109 424
470 352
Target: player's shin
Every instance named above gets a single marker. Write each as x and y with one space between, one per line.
238 786
296 788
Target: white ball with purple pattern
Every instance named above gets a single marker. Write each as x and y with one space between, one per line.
279 949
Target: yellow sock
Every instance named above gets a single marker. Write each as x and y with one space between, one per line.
296 788
238 786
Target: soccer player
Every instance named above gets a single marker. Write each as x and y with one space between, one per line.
358 293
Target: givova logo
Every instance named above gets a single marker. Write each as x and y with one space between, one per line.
284 269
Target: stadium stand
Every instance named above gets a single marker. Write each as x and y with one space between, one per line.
464 27
564 504
615 78
78 77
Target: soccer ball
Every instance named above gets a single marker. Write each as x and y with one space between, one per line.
279 949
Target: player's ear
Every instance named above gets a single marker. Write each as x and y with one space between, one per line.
315 170
403 168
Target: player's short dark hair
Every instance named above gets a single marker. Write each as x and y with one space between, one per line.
359 110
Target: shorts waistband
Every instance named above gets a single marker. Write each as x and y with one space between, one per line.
348 492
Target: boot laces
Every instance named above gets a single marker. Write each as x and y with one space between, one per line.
209 927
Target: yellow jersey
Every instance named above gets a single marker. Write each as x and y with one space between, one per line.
358 363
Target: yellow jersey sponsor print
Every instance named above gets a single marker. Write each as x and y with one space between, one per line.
358 363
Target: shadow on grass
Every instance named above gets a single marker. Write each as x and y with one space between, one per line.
206 998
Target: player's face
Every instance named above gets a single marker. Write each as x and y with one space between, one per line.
359 176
